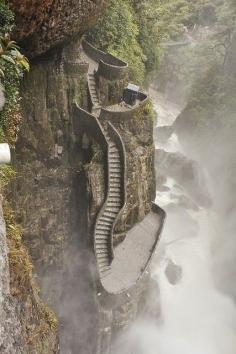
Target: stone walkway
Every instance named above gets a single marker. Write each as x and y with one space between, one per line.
132 256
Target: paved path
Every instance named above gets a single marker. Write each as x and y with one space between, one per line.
133 254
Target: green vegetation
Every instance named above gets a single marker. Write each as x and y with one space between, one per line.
146 111
12 65
133 30
117 33
23 286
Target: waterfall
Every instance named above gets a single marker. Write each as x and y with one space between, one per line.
195 316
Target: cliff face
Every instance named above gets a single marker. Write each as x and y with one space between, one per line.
41 25
61 184
60 189
26 324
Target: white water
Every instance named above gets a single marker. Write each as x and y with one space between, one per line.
196 318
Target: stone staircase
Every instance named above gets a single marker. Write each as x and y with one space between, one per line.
93 89
112 207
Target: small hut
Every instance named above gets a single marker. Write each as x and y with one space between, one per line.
130 94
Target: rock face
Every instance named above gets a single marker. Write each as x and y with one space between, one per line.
60 190
10 333
185 172
41 25
24 320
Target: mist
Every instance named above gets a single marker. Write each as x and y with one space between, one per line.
194 266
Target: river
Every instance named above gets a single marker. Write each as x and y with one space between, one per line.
195 317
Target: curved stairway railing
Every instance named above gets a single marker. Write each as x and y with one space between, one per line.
113 264
109 66
114 203
115 200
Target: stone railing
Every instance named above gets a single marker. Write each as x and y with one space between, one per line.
120 296
110 67
116 137
120 113
87 122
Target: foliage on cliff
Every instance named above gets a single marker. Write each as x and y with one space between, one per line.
117 33
12 65
38 322
133 31
211 104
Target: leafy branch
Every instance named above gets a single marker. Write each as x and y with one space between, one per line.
9 53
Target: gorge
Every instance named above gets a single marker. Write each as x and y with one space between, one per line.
88 263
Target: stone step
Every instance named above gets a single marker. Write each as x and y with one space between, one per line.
115 189
115 185
102 251
114 181
107 218
111 199
114 203
111 213
115 175
117 198
102 242
102 239
99 233
102 236
115 165
116 206
114 159
111 208
113 148
103 224
102 257
115 169
115 193
103 264
101 248
113 152
105 271
103 260
103 232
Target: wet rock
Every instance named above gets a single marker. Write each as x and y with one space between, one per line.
173 272
162 134
187 173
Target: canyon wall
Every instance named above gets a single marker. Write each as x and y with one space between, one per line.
60 178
